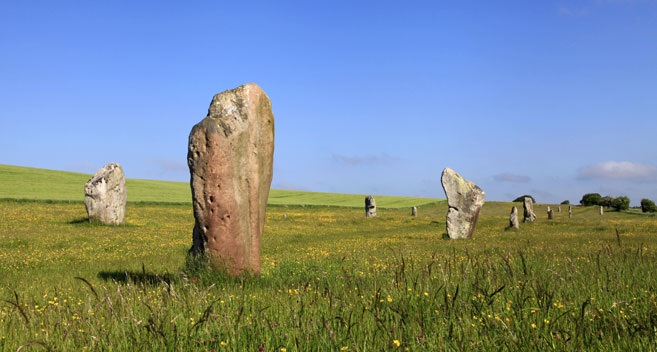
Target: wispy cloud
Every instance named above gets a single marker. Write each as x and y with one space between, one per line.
289 186
169 165
85 167
507 177
383 159
618 170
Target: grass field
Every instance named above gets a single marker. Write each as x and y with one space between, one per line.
17 182
332 280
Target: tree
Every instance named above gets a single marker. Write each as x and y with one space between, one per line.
648 206
621 203
566 202
591 199
522 198
607 201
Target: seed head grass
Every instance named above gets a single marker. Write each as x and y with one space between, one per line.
331 280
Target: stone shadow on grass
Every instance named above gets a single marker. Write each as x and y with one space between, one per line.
84 221
135 277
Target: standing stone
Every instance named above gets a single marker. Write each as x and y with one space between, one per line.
570 212
559 209
513 219
602 210
230 157
550 213
465 200
105 195
528 207
414 211
370 207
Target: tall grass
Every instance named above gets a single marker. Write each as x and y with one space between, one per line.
331 280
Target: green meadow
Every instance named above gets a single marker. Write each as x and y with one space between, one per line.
18 182
331 279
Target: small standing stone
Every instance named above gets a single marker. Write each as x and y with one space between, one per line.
570 212
284 216
105 195
370 207
528 207
414 211
513 219
465 200
559 209
602 210
550 213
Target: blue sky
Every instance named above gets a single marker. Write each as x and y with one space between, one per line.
551 98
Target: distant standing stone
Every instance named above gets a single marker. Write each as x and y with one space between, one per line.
284 216
550 213
602 210
230 157
570 212
559 209
465 200
370 207
528 207
513 219
105 195
414 211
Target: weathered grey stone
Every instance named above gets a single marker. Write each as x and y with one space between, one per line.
570 212
230 158
528 207
513 219
602 210
370 207
465 200
559 209
550 213
414 211
105 195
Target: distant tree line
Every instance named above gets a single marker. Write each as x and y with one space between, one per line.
648 206
618 203
522 198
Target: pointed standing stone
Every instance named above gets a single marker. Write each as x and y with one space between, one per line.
414 211
105 195
370 207
528 207
465 200
230 158
513 219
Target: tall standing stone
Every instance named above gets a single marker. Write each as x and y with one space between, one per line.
528 210
465 200
105 195
528 207
550 213
370 207
602 210
570 211
414 211
513 219
230 158
559 209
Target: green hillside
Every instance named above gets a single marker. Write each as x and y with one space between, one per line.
19 182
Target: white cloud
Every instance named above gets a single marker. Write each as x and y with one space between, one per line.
368 159
506 177
619 170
